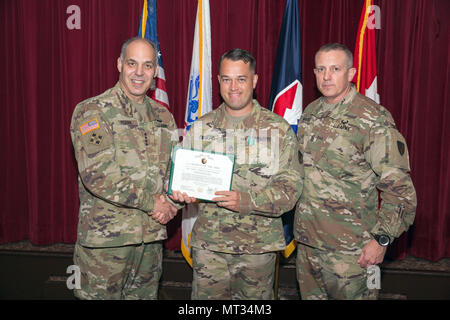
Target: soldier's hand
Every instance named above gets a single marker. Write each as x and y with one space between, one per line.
164 211
160 217
164 207
229 199
371 254
177 196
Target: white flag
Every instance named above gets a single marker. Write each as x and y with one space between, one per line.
199 102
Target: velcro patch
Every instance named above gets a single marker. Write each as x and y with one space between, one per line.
96 139
398 153
89 126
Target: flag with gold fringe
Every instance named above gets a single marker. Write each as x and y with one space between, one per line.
364 58
199 102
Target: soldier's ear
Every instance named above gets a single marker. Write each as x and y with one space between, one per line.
255 80
156 71
119 64
351 74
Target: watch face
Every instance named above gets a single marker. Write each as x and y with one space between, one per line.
384 240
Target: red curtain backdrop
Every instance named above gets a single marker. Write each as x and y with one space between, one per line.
47 69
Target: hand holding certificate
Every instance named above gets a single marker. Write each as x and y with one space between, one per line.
228 199
200 174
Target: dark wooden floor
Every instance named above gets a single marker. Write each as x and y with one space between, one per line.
39 272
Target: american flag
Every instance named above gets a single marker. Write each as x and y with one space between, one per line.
89 126
147 30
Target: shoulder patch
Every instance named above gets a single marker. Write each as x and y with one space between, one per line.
401 147
89 126
398 151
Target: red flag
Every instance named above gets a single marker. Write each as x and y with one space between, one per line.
365 59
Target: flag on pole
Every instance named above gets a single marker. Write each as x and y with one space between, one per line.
365 59
148 30
287 90
199 102
199 98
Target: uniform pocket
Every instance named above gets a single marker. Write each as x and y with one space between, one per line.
159 143
129 140
343 158
166 143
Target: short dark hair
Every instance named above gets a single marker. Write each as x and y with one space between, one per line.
129 41
237 54
337 46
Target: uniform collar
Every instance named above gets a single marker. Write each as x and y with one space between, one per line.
127 106
336 111
253 117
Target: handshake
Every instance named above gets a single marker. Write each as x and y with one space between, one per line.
164 210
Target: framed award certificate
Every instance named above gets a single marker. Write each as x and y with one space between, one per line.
200 173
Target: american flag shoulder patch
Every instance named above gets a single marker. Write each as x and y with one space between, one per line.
89 126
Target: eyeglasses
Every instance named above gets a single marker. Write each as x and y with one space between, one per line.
332 70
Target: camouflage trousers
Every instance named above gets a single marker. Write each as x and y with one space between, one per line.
127 272
225 276
324 275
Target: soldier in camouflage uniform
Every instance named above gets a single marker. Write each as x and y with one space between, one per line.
122 141
351 149
235 237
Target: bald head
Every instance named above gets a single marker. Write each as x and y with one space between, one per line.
141 40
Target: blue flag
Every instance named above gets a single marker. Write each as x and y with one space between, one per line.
287 91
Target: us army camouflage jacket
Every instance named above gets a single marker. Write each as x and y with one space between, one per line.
122 154
267 174
349 153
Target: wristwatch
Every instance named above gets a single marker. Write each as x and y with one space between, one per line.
382 239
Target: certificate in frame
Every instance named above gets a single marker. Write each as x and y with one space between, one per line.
200 173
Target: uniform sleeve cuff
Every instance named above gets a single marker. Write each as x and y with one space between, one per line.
245 204
176 204
149 202
378 229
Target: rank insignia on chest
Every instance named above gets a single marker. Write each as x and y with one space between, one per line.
96 139
89 126
343 124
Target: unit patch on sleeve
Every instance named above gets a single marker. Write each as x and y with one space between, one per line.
96 139
401 147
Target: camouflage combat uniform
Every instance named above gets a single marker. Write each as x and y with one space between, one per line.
267 173
350 151
122 150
